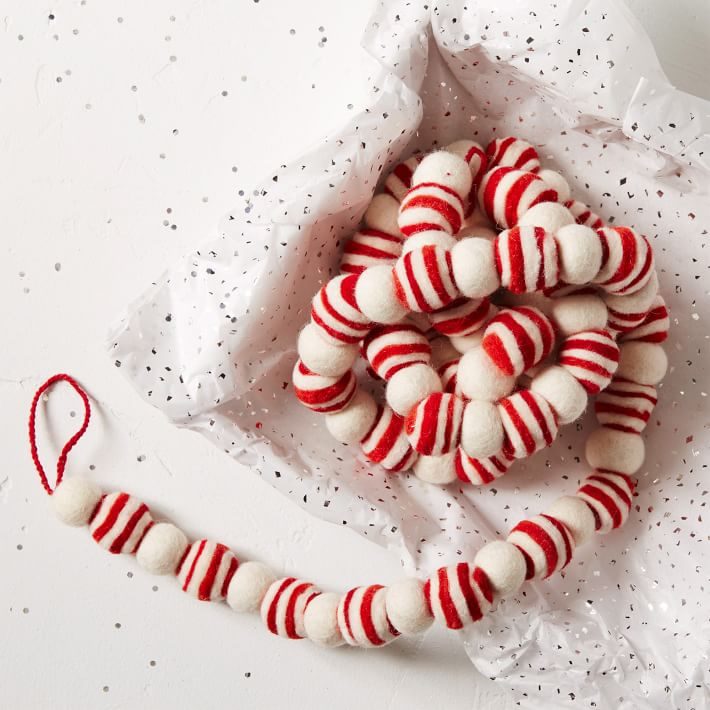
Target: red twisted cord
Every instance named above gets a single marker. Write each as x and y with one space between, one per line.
62 460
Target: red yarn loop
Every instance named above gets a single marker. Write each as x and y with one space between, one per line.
62 460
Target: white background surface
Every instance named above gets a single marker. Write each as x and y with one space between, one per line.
126 131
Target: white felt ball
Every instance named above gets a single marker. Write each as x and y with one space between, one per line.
436 469
407 607
478 377
551 216
161 549
474 267
74 500
382 214
324 357
464 343
554 180
320 620
375 295
350 425
481 430
576 515
428 236
411 385
578 313
248 586
644 363
562 391
580 252
504 566
442 351
447 169
612 450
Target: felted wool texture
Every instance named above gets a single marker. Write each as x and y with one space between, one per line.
433 426
477 161
628 260
284 605
526 259
576 516
447 374
362 617
431 206
513 152
248 586
409 386
162 548
439 470
645 363
119 522
323 394
551 216
655 326
615 451
407 608
386 443
399 180
580 252
391 348
504 566
477 231
609 497
583 214
369 247
591 357
382 214
351 425
459 595
206 570
444 168
529 422
322 356
336 313
464 343
473 264
320 621
577 313
480 472
562 391
625 405
629 311
74 500
480 378
430 236
442 351
423 279
462 317
481 430
557 182
376 296
547 545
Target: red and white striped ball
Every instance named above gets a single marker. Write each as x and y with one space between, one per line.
506 194
627 260
625 405
480 472
527 259
206 570
477 161
591 357
335 312
119 523
459 595
609 496
434 426
623 322
369 247
462 317
529 422
362 617
386 443
423 279
546 543
323 394
513 152
583 215
399 180
564 289
655 326
517 339
390 348
430 205
447 372
284 605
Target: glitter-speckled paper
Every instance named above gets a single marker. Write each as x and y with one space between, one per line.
627 624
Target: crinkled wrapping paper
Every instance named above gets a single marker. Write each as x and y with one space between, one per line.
627 626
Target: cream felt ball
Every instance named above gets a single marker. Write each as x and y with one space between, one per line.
428 236
409 386
407 607
436 469
473 264
577 313
444 168
320 620
612 450
161 549
383 213
562 391
645 363
248 586
481 430
376 296
75 499
324 357
576 515
464 343
350 425
551 216
580 251
480 378
558 183
504 565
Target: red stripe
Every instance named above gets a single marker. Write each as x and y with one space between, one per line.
398 350
497 351
430 258
514 195
604 241
434 203
448 430
547 333
601 407
535 410
540 239
413 282
484 584
528 154
525 343
323 395
493 179
191 572
291 609
428 410
353 248
366 615
116 507
233 564
328 307
388 439
516 259
463 574
605 500
204 592
520 426
451 614
543 540
631 393
627 262
346 614
608 350
565 534
271 615
129 527
614 487
647 265
404 174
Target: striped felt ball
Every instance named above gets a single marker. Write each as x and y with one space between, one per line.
390 348
386 443
591 357
512 152
206 570
529 422
284 605
527 259
335 311
462 317
583 215
369 247
655 326
431 206
362 617
625 405
477 161
517 339
323 394
609 496
506 194
447 372
627 260
434 425
546 543
399 180
458 595
119 522
423 279
480 472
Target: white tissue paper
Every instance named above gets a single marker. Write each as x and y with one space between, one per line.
627 625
